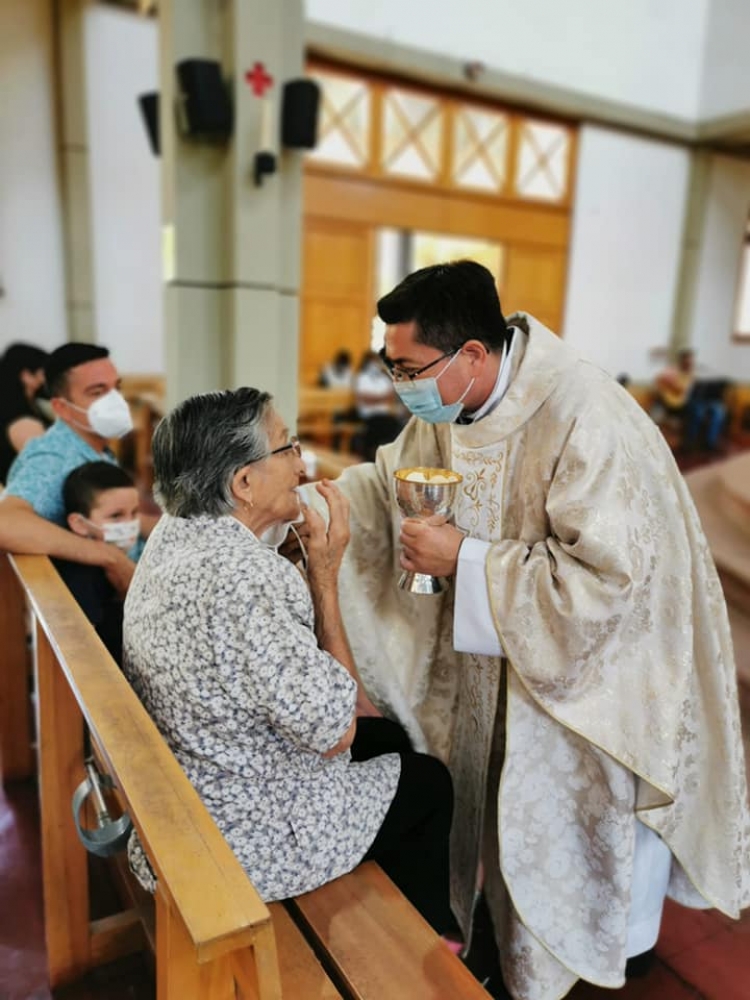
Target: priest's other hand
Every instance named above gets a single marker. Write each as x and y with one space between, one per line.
430 546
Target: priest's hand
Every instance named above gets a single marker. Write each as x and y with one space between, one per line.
430 546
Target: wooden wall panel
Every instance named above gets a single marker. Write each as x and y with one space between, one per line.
535 283
412 206
337 293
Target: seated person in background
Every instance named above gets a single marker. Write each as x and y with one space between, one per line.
247 671
338 374
101 502
377 407
82 384
21 377
679 394
373 388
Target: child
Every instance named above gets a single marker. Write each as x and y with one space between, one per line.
101 502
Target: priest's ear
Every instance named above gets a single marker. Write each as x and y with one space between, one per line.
475 351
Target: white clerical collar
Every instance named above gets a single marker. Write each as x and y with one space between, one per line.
501 384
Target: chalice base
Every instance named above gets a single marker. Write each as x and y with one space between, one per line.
422 583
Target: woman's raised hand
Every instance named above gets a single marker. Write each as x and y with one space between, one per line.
326 544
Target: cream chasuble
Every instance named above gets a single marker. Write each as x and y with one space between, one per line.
618 692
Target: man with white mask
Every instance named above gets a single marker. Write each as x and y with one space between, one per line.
90 411
578 677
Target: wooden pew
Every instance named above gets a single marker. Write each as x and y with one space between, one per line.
330 464
212 929
214 938
146 397
316 410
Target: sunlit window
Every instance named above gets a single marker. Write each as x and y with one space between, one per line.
480 149
436 248
401 251
543 155
412 135
390 132
344 123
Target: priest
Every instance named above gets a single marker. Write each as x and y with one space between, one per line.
578 675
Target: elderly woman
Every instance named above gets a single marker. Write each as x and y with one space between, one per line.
247 671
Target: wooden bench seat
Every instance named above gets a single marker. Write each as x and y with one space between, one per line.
214 938
356 920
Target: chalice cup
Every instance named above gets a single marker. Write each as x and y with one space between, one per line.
423 492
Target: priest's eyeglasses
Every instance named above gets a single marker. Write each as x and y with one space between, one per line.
402 375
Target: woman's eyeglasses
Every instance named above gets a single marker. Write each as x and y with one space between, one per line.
293 446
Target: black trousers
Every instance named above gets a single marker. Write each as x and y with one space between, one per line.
412 845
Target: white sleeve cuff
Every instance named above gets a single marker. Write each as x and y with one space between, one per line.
473 627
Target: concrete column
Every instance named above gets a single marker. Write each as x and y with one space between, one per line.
231 248
73 155
688 281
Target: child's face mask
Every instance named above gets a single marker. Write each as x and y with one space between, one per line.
123 534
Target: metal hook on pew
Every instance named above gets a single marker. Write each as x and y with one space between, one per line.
111 836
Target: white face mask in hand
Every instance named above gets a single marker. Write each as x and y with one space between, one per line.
275 536
109 416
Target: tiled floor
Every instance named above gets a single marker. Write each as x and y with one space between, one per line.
23 960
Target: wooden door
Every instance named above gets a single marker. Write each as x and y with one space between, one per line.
337 293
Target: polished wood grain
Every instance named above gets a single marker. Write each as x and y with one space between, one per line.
337 297
64 863
380 946
16 751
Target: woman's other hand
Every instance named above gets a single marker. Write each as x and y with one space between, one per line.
326 544
325 550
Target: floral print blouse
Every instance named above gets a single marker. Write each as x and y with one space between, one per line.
219 646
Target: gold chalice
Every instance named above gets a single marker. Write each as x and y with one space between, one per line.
424 492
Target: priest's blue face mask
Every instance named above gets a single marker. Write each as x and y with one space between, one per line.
422 397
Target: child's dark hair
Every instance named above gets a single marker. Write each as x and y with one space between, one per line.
84 484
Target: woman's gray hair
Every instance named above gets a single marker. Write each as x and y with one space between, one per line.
201 444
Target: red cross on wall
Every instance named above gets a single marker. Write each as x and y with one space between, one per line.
259 79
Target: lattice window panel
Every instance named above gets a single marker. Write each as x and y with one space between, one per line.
480 149
344 124
543 158
412 136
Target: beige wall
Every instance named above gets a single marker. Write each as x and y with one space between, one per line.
32 307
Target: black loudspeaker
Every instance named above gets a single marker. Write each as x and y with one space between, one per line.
299 114
206 108
149 104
